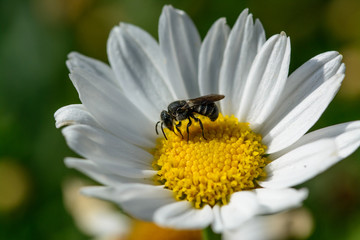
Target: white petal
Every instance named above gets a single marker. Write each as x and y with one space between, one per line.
113 110
74 114
182 215
99 174
100 69
341 68
276 200
137 62
271 81
254 229
301 164
242 207
102 147
345 135
300 85
303 115
180 44
265 81
217 225
312 74
242 46
139 200
211 56
150 46
259 35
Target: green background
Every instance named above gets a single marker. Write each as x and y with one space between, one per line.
37 35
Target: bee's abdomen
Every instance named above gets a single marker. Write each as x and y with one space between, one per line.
209 110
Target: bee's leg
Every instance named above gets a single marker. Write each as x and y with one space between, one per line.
187 128
156 128
202 129
177 128
201 125
162 129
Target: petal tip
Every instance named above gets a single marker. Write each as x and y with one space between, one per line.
170 9
245 11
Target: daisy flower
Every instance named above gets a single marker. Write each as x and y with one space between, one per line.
256 151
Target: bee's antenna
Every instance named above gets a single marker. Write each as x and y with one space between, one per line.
162 129
156 128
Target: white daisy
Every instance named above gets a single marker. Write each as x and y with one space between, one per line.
253 154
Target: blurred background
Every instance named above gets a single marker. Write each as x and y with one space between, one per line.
37 35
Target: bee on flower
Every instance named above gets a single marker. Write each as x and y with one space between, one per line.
220 173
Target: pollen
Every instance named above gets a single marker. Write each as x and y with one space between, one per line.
207 171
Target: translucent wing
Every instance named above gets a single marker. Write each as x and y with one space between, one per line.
205 99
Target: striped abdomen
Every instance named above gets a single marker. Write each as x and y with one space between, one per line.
209 110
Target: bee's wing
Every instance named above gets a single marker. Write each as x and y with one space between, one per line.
205 99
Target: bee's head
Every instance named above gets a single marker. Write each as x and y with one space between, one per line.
167 120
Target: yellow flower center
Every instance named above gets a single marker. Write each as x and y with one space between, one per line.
209 171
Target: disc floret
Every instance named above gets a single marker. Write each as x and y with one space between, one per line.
209 171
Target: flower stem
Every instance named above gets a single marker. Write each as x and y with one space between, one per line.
208 234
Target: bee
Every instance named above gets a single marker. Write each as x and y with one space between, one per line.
185 109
